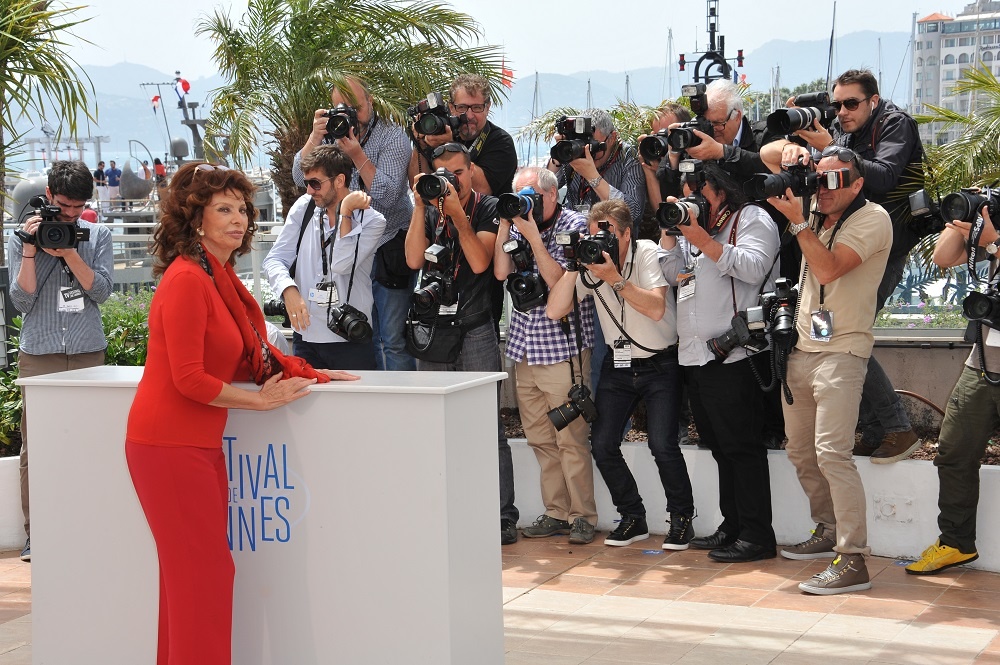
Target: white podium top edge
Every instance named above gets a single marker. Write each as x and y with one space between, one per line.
371 381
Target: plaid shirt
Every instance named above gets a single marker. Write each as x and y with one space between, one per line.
533 336
623 175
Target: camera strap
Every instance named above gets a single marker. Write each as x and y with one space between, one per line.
973 249
306 220
477 146
829 248
565 323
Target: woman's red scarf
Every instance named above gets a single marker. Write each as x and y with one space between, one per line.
263 358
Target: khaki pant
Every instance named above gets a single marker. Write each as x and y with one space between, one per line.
31 365
567 472
820 424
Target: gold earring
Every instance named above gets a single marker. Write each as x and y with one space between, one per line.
201 232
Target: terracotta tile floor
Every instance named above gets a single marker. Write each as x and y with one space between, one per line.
570 604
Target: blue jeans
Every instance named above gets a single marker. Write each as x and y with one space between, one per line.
881 409
657 383
388 321
481 353
334 355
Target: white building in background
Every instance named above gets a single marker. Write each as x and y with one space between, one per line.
943 48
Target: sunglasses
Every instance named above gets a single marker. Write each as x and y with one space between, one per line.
461 109
845 155
313 183
448 147
851 104
211 167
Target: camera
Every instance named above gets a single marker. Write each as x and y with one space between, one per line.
527 290
435 283
800 178
739 334
925 213
774 316
577 133
590 249
983 307
966 204
275 307
349 322
809 107
655 146
567 240
431 186
51 233
341 119
578 404
671 215
510 206
778 309
431 116
683 137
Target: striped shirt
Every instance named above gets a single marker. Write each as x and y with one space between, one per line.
533 336
46 330
388 148
623 173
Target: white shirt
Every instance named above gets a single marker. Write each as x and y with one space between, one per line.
367 228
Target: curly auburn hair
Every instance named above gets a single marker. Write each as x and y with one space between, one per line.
181 206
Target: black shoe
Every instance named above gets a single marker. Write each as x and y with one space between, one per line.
630 529
508 532
26 552
680 534
716 541
741 551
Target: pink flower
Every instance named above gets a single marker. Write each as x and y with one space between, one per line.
928 319
921 304
911 325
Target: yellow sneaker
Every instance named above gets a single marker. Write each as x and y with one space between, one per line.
939 557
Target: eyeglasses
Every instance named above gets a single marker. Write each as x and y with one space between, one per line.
851 104
313 183
448 147
461 109
211 167
722 123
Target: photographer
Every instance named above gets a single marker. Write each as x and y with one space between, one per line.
844 254
490 147
720 265
321 265
58 291
552 359
970 417
661 182
450 326
380 151
641 364
886 139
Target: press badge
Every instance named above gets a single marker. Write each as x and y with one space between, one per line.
450 310
583 208
623 353
71 299
993 338
822 325
324 293
685 284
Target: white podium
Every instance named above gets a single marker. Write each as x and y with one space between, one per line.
363 522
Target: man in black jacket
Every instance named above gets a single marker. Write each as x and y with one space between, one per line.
886 139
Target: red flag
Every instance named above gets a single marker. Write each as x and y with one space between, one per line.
506 75
156 103
182 88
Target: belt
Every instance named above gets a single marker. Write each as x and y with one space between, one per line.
670 353
467 323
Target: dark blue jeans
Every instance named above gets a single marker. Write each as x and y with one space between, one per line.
657 383
335 355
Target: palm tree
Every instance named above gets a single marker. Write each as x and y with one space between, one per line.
36 73
284 55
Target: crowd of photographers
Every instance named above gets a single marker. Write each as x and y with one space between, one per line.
747 303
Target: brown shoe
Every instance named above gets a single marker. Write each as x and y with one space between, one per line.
896 446
846 574
862 449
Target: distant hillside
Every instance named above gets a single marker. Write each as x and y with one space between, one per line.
126 110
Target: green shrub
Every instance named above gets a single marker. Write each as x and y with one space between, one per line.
10 394
125 318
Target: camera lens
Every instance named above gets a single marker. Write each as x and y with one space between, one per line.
567 151
562 416
431 186
428 295
653 147
670 215
274 308
979 306
963 206
430 123
683 138
510 206
338 126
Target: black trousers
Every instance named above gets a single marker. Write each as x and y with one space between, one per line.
728 408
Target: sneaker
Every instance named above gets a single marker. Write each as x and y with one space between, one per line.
939 557
816 547
582 532
845 574
896 446
680 534
508 532
630 529
26 552
545 526
862 449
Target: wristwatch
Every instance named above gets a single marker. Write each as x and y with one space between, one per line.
619 286
794 229
596 181
992 248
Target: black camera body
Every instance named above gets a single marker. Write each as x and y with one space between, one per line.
431 116
527 200
655 146
275 307
579 403
671 215
683 137
590 248
349 322
577 133
809 107
925 214
436 282
51 233
774 316
527 290
800 178
965 205
432 186
341 119
568 240
983 307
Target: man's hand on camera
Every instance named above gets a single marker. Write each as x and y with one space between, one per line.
606 271
584 165
693 231
318 132
435 140
788 205
351 146
816 136
708 149
527 227
453 204
988 235
792 153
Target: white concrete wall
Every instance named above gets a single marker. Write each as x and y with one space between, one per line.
11 518
902 500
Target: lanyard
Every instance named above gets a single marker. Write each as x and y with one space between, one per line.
444 226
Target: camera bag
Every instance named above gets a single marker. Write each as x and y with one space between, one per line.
434 344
